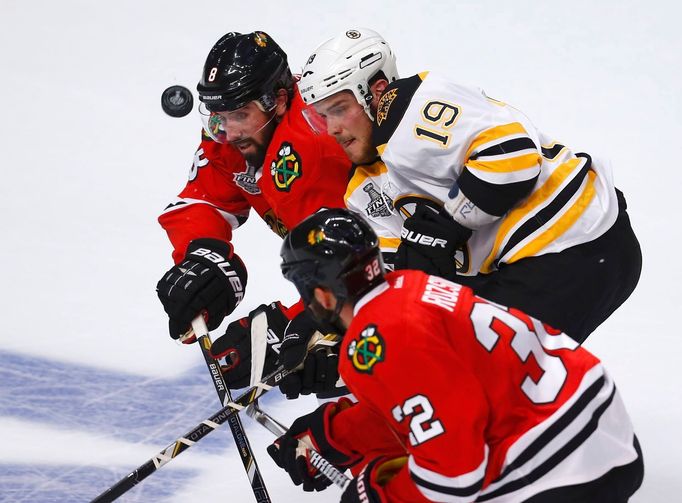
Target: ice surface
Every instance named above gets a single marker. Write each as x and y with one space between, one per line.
91 386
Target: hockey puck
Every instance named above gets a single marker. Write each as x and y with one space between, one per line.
177 101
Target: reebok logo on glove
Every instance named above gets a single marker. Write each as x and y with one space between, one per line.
225 266
422 239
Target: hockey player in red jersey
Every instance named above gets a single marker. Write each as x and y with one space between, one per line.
257 152
458 399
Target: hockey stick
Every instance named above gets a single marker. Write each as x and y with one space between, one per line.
260 492
331 473
200 431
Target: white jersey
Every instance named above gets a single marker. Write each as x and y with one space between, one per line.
522 193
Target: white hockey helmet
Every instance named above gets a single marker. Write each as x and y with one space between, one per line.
347 62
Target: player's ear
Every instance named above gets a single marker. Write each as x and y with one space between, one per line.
377 89
325 298
281 101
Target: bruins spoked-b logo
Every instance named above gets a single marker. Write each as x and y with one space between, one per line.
368 350
287 168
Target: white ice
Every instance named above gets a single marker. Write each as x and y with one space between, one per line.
90 384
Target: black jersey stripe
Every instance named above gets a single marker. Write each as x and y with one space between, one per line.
555 429
552 152
556 458
506 147
452 491
548 212
494 199
391 111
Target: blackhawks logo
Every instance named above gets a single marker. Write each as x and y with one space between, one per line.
368 350
286 168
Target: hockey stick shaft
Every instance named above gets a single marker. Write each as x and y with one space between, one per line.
242 442
191 437
200 431
333 474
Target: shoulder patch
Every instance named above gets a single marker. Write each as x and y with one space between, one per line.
392 107
368 350
286 168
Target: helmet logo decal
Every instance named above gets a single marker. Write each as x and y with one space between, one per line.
247 180
368 350
286 169
384 104
353 34
260 38
316 236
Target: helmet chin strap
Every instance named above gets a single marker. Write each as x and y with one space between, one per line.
329 320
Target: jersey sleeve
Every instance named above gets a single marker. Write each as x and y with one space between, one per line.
422 391
210 205
501 166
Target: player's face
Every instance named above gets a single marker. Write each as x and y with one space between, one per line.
248 128
346 120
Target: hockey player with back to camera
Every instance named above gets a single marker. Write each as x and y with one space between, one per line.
555 430
464 186
257 152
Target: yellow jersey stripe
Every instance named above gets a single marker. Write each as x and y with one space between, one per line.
518 163
361 174
495 133
391 243
561 225
534 200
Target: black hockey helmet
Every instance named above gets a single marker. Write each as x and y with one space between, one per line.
243 68
335 249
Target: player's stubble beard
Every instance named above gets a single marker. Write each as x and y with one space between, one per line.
259 143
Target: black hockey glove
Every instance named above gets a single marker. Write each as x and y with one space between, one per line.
429 239
259 334
313 429
367 487
211 278
320 373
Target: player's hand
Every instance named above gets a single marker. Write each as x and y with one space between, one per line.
429 239
320 373
367 487
210 279
312 429
260 334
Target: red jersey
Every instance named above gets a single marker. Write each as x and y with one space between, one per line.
487 403
302 172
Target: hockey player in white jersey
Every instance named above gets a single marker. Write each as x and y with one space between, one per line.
477 193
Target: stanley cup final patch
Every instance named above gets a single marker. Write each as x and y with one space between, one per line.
286 168
365 352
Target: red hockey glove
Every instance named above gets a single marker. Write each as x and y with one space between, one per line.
313 429
246 338
211 278
368 486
